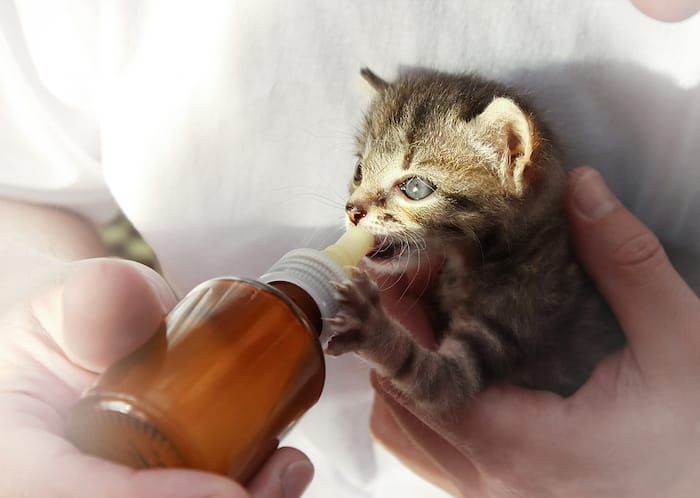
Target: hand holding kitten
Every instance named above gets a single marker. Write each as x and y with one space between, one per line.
629 431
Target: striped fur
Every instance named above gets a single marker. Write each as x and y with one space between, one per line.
511 303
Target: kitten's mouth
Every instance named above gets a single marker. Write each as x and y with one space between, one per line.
384 250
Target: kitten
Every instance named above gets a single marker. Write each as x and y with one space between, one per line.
460 169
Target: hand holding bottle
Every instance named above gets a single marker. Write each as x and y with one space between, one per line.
81 317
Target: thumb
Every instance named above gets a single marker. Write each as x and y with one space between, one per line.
104 309
286 474
631 269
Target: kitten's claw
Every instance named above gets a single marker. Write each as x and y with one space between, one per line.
343 343
359 316
343 323
359 292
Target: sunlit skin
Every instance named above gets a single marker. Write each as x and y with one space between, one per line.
670 11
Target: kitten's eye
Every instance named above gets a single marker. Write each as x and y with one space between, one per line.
416 188
357 178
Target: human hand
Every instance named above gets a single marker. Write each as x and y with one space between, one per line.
87 315
668 10
630 431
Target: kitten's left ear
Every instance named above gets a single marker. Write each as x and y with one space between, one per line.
506 125
375 81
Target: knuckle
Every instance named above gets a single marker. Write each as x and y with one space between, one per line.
642 252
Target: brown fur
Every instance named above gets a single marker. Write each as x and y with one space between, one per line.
511 303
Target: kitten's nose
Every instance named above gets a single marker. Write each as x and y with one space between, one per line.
355 213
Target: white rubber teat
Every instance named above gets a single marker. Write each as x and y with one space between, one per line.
349 249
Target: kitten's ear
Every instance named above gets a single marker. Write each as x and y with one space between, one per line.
375 81
505 124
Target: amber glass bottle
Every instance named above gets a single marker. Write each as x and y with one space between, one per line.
232 367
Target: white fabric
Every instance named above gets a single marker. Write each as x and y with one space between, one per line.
49 134
224 130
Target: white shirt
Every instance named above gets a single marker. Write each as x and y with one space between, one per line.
224 130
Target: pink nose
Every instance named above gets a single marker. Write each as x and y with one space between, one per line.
355 213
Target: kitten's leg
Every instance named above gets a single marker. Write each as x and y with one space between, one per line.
439 380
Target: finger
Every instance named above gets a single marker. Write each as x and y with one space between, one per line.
489 434
441 458
402 304
649 298
156 483
670 10
386 429
58 469
286 474
104 309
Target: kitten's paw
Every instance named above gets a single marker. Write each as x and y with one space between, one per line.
359 318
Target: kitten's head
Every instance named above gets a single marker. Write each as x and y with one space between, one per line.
444 158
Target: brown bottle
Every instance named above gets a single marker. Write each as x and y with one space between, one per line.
232 367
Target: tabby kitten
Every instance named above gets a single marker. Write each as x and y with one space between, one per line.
459 169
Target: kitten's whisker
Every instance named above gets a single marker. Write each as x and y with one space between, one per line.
396 278
478 243
387 284
510 249
410 284
420 245
335 202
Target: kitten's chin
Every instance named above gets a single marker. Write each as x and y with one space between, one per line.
390 257
413 275
402 264
388 266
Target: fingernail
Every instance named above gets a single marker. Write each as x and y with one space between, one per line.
295 478
592 198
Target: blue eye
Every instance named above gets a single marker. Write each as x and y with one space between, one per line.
416 188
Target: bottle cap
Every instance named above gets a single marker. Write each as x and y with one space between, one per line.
351 247
316 271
